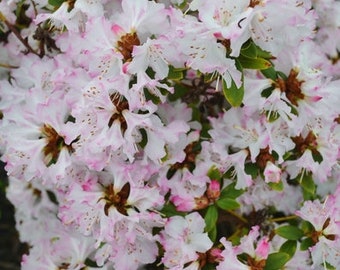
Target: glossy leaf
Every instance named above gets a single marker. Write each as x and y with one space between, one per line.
289 247
306 243
231 192
254 63
276 261
270 73
210 218
290 232
307 183
233 94
214 173
175 74
227 204
249 50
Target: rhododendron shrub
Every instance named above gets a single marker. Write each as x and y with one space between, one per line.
172 134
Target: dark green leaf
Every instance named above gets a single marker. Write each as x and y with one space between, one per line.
251 169
317 157
270 73
213 234
170 210
233 94
307 227
210 218
52 197
289 247
249 50
290 232
56 3
276 261
227 204
209 266
231 192
306 243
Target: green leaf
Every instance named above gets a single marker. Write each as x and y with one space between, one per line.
227 204
276 186
329 266
307 183
289 247
170 210
290 232
233 94
213 234
306 243
214 173
210 218
56 3
231 192
276 261
52 197
251 169
175 74
254 63
307 227
180 91
270 73
249 50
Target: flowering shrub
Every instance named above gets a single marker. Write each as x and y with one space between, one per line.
173 134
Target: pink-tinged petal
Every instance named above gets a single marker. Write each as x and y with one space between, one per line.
262 249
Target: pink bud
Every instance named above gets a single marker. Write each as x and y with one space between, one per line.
214 190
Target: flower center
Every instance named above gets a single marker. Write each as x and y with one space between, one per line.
292 87
121 105
126 44
263 157
54 144
254 3
302 144
116 199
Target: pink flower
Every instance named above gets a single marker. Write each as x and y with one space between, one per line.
230 261
272 173
182 238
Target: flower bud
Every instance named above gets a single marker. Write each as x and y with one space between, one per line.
214 190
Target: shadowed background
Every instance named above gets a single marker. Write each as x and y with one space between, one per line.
10 247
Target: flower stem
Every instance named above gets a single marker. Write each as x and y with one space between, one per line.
279 219
17 34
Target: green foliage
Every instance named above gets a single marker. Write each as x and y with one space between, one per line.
254 63
170 210
56 3
290 232
210 218
233 94
175 74
214 173
306 243
251 169
276 261
276 186
289 247
308 186
253 57
231 192
227 204
270 73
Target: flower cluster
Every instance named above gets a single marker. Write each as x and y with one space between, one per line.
172 134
